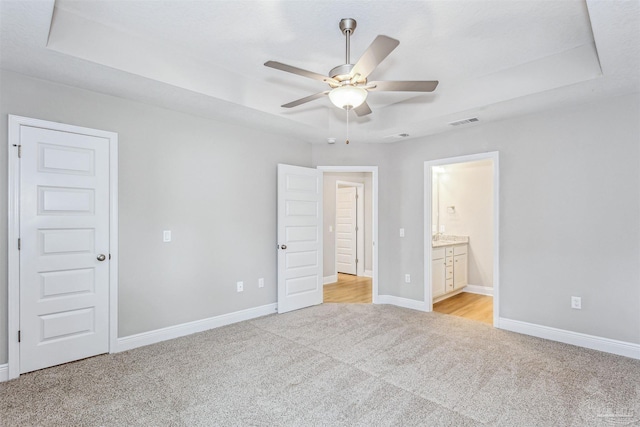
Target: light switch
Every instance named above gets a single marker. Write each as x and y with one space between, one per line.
331 229
402 232
166 236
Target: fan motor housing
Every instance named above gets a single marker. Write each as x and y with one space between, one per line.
341 74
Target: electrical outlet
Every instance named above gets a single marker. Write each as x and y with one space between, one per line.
240 286
261 282
407 278
402 232
576 302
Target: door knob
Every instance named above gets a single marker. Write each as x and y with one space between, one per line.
283 246
101 257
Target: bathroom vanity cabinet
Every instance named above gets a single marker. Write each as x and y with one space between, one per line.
449 266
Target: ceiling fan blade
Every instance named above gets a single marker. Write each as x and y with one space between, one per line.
381 47
299 71
305 99
406 86
362 110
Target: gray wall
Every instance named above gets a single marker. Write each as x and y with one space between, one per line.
329 217
569 212
213 184
569 208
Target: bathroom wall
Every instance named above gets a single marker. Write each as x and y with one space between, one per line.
466 209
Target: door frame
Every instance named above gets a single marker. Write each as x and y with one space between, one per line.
428 221
13 261
359 221
374 218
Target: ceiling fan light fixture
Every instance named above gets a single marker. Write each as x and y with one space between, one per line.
348 96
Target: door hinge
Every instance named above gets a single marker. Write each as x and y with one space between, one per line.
18 244
109 256
357 195
19 151
357 261
19 337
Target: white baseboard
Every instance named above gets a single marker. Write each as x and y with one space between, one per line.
171 332
480 290
368 273
4 372
326 280
401 302
607 345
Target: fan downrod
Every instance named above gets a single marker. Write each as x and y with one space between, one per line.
341 72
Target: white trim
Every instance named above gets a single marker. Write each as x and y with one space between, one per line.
401 302
477 289
607 345
4 373
13 267
374 214
327 280
176 331
428 185
368 273
113 242
13 258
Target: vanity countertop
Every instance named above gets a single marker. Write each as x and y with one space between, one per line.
447 240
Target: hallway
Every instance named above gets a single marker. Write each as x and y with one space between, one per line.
349 289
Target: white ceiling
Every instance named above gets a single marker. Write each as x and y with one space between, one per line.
494 59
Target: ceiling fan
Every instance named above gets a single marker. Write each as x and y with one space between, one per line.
348 83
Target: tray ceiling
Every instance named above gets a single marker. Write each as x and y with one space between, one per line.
494 59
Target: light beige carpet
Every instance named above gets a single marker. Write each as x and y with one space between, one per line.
336 364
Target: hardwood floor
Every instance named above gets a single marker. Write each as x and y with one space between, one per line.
354 289
470 306
348 288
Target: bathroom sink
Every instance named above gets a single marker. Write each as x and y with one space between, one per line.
449 240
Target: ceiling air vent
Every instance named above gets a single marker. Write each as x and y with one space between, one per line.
397 136
464 121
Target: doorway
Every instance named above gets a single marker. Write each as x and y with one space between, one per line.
62 294
363 179
461 236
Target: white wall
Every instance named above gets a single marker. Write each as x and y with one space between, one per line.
469 188
564 174
329 217
213 184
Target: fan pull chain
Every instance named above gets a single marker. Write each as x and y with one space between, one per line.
347 125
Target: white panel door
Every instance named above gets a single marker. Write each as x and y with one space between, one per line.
299 237
64 228
346 230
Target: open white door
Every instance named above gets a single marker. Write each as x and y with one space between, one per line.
299 237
